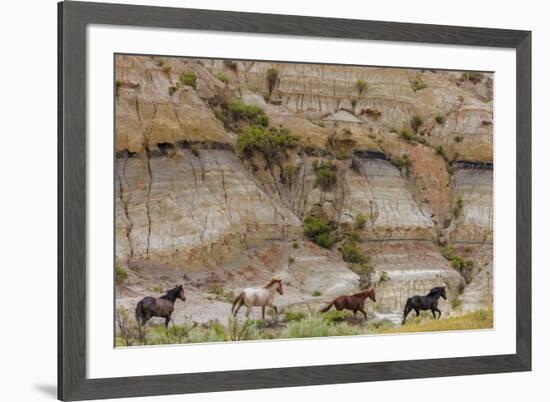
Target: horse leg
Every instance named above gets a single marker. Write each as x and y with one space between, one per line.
274 308
405 314
263 312
354 313
248 310
439 311
167 321
433 313
364 313
239 305
417 311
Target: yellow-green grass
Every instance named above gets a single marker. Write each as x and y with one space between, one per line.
482 319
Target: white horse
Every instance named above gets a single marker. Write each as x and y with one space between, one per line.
258 297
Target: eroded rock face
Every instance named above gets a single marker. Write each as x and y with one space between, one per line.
189 208
473 204
174 207
413 268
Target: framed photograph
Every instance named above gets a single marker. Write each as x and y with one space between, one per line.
256 201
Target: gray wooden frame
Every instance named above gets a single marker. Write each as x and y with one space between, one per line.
73 17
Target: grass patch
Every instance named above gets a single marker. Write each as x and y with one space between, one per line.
230 64
316 293
459 206
359 222
472 76
476 320
189 79
416 122
361 87
402 162
121 275
294 316
406 135
418 85
223 78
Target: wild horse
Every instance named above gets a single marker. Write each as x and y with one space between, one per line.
261 297
355 302
163 306
428 302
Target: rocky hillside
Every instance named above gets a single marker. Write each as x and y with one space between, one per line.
333 178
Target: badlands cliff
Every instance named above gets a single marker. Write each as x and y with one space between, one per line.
397 163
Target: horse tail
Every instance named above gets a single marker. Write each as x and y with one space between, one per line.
327 308
237 299
139 312
406 309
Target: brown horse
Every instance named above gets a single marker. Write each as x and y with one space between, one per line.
163 306
258 297
355 302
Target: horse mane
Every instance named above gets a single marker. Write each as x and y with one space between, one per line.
272 282
363 292
172 294
436 290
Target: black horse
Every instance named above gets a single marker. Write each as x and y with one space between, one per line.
428 302
163 306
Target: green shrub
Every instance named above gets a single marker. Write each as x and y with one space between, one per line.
360 86
354 103
120 275
291 260
417 84
188 79
325 240
458 138
406 135
223 78
439 119
456 303
472 76
416 122
457 210
294 316
316 293
270 142
166 69
448 251
325 176
271 75
440 151
351 253
216 289
241 111
363 268
319 231
230 64
402 161
360 222
335 316
383 277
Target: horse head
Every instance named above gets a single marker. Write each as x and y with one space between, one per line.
277 283
443 293
180 292
279 287
370 293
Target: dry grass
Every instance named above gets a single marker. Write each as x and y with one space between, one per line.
482 319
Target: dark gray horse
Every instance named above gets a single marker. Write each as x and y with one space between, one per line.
163 306
428 302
